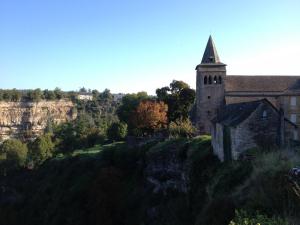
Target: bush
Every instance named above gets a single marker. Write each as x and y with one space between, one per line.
182 128
117 131
15 151
243 218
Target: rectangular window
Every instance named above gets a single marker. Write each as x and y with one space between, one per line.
294 118
295 135
293 101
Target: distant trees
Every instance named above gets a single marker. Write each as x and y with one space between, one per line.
35 95
80 133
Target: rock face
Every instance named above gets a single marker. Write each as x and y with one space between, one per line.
20 119
166 177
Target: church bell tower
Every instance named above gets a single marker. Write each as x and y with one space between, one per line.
210 87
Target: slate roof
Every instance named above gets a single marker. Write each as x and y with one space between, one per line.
234 114
261 83
210 54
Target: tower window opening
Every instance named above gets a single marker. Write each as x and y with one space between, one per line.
209 80
264 114
208 97
215 80
220 80
205 80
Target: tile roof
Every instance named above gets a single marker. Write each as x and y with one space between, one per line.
261 83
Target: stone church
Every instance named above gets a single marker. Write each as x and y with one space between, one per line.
243 112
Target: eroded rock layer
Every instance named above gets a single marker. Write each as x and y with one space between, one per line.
21 119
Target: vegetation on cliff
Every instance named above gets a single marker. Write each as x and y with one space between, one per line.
178 181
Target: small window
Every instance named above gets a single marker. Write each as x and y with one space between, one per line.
220 80
293 101
215 80
265 114
208 113
208 97
209 80
294 118
205 80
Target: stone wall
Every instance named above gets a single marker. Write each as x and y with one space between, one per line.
22 118
209 97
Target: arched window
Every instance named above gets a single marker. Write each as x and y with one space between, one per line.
264 114
220 80
205 80
215 80
209 80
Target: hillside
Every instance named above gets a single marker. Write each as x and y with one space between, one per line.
174 182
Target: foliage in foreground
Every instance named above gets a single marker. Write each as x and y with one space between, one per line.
243 218
106 185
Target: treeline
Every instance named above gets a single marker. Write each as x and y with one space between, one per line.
103 120
15 95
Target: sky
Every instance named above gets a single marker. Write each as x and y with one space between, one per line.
140 45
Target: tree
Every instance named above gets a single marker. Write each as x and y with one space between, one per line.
15 95
15 151
83 90
49 95
128 106
58 93
34 95
41 149
117 131
150 116
179 97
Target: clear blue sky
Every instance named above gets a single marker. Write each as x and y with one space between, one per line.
134 45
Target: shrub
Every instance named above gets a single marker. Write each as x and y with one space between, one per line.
117 131
15 151
243 218
182 128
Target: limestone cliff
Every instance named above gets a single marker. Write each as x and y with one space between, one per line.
20 118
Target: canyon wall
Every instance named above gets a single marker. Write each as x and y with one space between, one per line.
24 119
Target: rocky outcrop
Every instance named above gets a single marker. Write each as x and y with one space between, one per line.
166 177
18 119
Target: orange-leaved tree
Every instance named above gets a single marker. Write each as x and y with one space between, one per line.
150 116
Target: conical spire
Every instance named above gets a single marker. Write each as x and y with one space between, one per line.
210 54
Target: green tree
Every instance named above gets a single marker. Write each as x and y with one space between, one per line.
49 95
117 131
15 95
179 97
15 151
34 95
58 93
41 149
